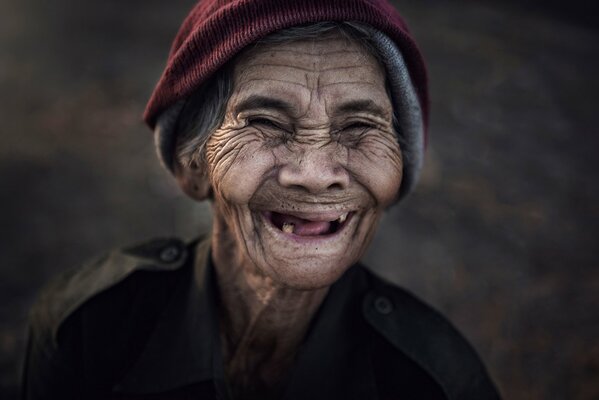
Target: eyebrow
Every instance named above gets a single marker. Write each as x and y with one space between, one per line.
259 101
353 106
369 106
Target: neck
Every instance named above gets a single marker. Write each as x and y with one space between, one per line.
262 322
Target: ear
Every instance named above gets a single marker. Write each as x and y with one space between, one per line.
193 180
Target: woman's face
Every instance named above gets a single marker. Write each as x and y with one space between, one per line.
306 159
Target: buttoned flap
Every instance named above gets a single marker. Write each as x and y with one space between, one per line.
422 334
72 289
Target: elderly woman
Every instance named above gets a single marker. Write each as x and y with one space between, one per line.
301 131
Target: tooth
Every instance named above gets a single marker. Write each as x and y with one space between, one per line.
288 227
342 218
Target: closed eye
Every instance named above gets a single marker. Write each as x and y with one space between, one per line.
357 126
265 122
272 131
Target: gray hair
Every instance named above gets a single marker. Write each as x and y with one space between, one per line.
204 111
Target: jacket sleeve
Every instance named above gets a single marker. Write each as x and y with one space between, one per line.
50 370
82 325
430 340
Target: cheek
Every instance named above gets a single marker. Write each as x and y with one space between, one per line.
237 162
377 164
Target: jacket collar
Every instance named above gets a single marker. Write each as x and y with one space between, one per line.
180 350
335 359
334 355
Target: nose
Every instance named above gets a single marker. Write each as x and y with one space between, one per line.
315 170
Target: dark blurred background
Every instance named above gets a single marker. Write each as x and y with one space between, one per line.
501 234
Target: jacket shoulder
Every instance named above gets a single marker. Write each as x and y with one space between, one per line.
71 290
428 339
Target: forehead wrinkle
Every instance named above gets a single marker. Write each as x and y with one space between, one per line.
295 99
314 67
302 53
372 99
246 82
350 74
348 83
313 83
345 67
258 65
363 105
295 65
293 58
257 101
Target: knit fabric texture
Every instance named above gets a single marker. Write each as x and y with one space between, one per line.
216 30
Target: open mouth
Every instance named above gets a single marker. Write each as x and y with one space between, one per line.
292 224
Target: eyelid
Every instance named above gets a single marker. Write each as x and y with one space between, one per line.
269 121
359 123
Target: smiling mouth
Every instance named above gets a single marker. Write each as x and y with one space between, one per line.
291 224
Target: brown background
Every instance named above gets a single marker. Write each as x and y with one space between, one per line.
501 234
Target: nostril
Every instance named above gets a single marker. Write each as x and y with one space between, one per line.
335 186
295 187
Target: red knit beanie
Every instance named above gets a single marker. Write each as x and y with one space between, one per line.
216 30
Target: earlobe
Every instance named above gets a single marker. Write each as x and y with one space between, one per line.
193 180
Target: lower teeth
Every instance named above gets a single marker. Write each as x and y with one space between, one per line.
288 228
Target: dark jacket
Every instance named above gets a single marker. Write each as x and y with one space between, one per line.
141 323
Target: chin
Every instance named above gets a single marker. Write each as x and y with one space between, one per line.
308 273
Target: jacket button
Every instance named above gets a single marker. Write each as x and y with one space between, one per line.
169 254
383 305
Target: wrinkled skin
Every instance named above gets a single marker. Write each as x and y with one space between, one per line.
307 134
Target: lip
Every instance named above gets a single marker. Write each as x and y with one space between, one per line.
314 216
